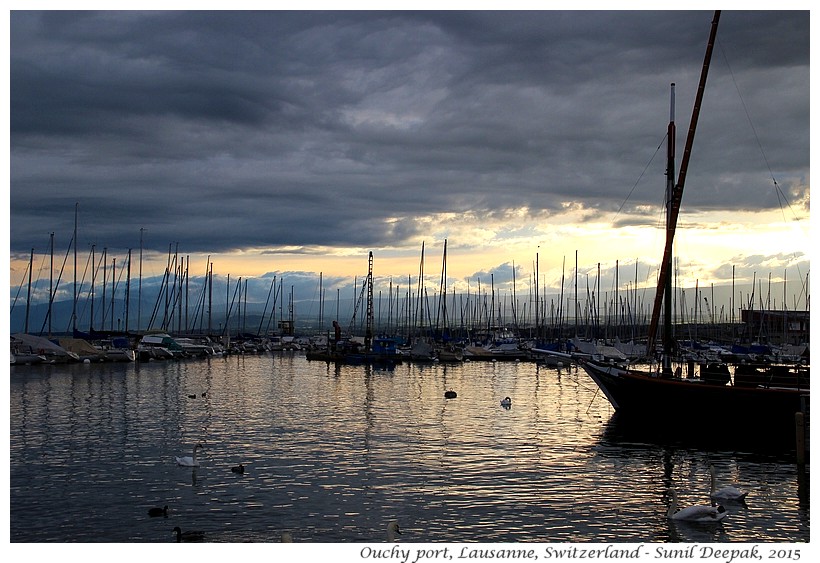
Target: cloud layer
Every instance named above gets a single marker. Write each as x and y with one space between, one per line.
321 132
233 130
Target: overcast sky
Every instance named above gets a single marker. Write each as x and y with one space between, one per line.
275 136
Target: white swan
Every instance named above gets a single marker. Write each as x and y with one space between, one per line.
727 493
506 402
393 530
697 513
189 461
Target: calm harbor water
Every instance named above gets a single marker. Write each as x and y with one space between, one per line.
332 453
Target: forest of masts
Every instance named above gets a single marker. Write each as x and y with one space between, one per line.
102 301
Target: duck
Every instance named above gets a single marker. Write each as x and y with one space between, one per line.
450 394
506 402
238 469
393 530
696 513
157 511
189 461
727 493
189 536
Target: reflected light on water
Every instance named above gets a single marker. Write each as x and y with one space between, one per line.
331 453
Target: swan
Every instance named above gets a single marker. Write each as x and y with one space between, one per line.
393 530
506 402
238 469
188 536
727 493
697 513
156 511
189 461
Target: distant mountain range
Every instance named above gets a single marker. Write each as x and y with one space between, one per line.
262 309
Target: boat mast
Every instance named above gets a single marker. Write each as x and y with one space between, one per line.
28 294
139 288
128 291
419 320
93 282
51 285
537 304
677 195
368 335
113 289
74 306
668 338
321 302
105 271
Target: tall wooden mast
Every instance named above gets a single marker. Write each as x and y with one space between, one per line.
675 200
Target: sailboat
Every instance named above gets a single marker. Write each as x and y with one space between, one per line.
710 399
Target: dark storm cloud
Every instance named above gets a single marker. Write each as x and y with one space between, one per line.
228 130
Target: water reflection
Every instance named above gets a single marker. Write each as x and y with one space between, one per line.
696 532
621 429
333 452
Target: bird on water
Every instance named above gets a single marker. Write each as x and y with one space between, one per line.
727 493
696 513
393 530
189 461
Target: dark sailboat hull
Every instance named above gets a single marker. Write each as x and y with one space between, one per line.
694 402
358 358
